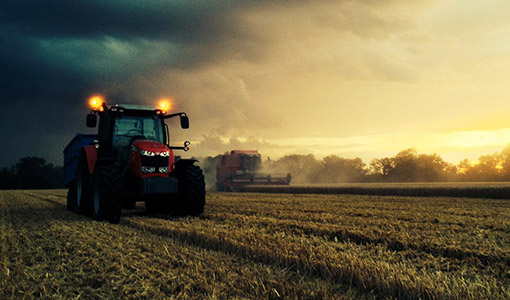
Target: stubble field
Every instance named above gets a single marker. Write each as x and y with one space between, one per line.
259 246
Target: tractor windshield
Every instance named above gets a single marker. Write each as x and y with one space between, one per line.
128 127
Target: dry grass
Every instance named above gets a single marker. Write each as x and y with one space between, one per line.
259 246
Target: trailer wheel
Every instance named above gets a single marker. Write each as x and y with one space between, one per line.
71 197
191 199
107 182
82 204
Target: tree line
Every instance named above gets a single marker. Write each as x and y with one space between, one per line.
32 173
405 166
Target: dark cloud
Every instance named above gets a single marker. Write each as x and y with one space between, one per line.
181 20
54 54
25 73
48 47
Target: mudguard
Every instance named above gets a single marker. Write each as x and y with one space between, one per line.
184 162
91 156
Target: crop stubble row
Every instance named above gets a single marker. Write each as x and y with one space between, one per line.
495 190
296 246
56 254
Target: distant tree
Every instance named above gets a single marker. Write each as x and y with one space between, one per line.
303 168
31 173
405 166
463 167
408 166
8 178
505 163
488 168
431 167
337 170
380 168
451 173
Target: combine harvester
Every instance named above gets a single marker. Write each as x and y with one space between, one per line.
130 160
240 168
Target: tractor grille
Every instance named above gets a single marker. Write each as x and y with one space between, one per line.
156 161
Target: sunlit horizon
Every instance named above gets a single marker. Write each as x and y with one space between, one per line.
453 146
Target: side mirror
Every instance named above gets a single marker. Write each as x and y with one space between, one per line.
91 120
184 122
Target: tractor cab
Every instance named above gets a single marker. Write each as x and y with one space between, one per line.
128 128
122 124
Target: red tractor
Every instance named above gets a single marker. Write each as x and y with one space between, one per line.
130 160
242 167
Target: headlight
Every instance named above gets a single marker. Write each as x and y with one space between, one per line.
165 154
163 170
148 169
147 153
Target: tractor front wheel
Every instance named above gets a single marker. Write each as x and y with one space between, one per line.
107 183
191 199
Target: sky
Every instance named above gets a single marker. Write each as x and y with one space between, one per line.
350 78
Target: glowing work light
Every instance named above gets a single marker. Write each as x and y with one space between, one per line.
164 105
96 103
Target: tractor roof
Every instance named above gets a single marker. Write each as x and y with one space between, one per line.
136 109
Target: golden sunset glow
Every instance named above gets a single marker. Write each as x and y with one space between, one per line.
359 79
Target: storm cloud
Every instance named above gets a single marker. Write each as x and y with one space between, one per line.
60 46
54 54
248 73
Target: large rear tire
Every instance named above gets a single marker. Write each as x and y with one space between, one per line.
191 199
107 182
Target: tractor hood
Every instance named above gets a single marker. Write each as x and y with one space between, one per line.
148 158
153 148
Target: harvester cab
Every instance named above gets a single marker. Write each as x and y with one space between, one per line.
240 168
130 160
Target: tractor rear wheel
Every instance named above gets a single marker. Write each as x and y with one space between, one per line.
71 197
191 199
107 183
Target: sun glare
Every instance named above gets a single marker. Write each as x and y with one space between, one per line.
479 138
